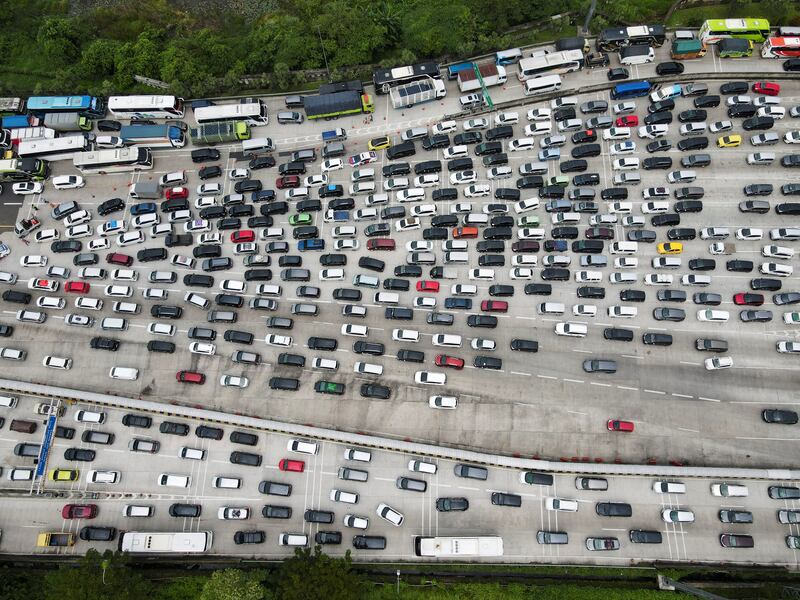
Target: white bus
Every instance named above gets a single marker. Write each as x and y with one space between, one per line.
60 148
146 107
163 543
550 64
542 85
252 113
119 160
449 547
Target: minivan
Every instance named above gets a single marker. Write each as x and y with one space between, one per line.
350 474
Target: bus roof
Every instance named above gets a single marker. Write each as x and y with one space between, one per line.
738 23
117 102
59 102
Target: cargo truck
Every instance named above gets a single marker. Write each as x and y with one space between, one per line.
31 133
406 96
491 73
64 122
218 132
154 136
338 104
19 121
55 539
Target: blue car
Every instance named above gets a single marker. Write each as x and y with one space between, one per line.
143 208
465 303
312 244
555 246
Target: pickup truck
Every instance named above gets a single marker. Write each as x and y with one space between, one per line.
334 135
721 248
336 216
55 539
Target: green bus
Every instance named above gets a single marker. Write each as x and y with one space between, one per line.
714 30
735 48
687 49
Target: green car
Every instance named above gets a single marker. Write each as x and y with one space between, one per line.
559 180
301 219
528 221
329 387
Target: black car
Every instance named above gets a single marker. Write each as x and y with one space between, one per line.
681 233
373 390
742 111
588 291
613 509
468 137
585 179
641 235
661 106
328 537
758 123
702 264
739 265
202 155
433 142
657 162
322 343
396 169
97 534
780 416
172 428
671 295
249 537
538 289
657 339
110 206
658 118
210 172
208 432
583 137
104 343
707 298
618 334
452 504
617 74
758 189
410 356
184 510
487 321
642 536
261 162
711 101
108 125
669 68
66 246
694 115
734 88
693 143
659 146
522 345
79 454
688 206
632 296
369 542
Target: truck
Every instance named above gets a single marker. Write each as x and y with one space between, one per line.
491 73
31 133
341 86
425 90
154 136
64 122
338 104
217 132
334 135
53 539
19 121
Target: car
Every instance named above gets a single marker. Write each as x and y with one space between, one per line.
618 425
669 68
767 88
290 465
449 504
600 366
779 416
602 543
617 74
79 511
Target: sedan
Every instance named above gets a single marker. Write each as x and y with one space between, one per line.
759 316
363 158
748 299
444 360
79 511
602 543
779 416
617 425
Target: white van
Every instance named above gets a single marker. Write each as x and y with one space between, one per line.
292 539
191 453
622 277
482 274
126 373
542 85
551 308
636 54
324 363
362 187
228 483
368 368
386 298
114 324
357 454
302 446
89 416
449 340
8 401
456 257
476 219
257 145
170 480
370 281
463 289
622 312
405 335
137 510
420 466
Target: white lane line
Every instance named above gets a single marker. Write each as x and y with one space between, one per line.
520 373
573 380
759 402
384 479
656 392
577 412
600 384
546 377
709 399
682 395
582 351
691 364
474 489
769 439
688 430
625 387
632 356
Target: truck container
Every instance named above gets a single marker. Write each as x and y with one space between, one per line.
454 70
11 106
735 48
491 73
337 104
334 135
154 136
53 539
406 96
31 133
64 122
687 49
145 190
218 132
19 121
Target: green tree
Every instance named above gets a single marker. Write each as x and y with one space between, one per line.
97 577
97 60
317 576
282 76
59 38
18 583
234 584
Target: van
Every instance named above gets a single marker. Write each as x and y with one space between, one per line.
169 480
305 309
622 277
552 537
22 426
88 416
221 316
114 324
551 308
622 312
349 474
8 401
463 289
257 145
126 373
137 510
366 280
145 190
542 85
357 454
333 149
481 274
666 262
269 289
292 539
624 247
627 178
636 54
368 369
456 257
325 363
191 453
362 187
130 308
228 483
597 484
476 219
447 339
386 298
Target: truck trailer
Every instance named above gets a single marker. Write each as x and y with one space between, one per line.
338 104
406 96
154 136
66 122
31 133
218 132
491 73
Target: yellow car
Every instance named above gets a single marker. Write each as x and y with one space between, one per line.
729 141
670 248
64 474
380 143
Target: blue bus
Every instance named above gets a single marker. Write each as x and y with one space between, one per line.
631 89
454 70
92 107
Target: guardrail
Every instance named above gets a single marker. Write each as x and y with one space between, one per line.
379 443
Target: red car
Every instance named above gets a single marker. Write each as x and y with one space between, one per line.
177 193
627 121
79 511
245 235
443 360
287 181
380 244
767 88
190 377
295 466
77 287
748 299
617 425
116 258
426 285
494 306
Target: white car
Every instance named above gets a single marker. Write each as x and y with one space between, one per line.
463 177
477 190
239 173
501 172
788 347
419 246
130 238
47 235
526 205
332 164
749 233
443 402
483 344
142 221
76 218
426 180
387 513
24 188
33 260
79 231
584 310
316 180
561 504
521 273
68 182
674 515
461 208
623 108
355 521
78 320
521 144
474 124
720 126
233 512
205 202
331 274
539 114
234 381
506 118
626 147
346 244
210 238
776 112
109 142
233 285
571 329
430 378
444 127
718 362
792 137
209 189
197 225
278 340
112 228
99 244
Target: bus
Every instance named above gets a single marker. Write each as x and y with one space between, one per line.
735 48
450 547
88 106
714 30
252 113
541 85
611 40
60 148
555 63
154 136
383 79
781 47
631 89
11 106
146 107
162 543
508 57
118 160
24 169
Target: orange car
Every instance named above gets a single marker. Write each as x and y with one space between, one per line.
463 233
